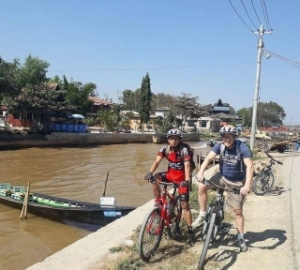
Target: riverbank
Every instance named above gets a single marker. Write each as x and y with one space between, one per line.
272 235
61 139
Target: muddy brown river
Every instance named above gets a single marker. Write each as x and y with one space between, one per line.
75 173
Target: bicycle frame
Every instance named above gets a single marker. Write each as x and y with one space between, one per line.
216 206
167 199
213 220
164 213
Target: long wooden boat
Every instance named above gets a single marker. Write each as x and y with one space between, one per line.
62 209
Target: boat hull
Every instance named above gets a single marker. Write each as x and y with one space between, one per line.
78 211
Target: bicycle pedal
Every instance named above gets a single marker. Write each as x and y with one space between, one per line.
225 229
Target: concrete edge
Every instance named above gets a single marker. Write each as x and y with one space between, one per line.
86 252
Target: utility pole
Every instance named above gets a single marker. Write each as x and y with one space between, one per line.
257 85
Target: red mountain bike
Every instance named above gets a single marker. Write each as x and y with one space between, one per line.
167 215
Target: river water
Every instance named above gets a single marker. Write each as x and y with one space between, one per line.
75 173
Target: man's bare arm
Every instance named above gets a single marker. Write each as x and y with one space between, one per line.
155 164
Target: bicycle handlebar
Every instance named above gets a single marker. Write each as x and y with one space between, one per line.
277 161
154 180
233 190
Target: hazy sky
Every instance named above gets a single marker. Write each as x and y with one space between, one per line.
199 47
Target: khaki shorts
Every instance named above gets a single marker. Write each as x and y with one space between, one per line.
235 201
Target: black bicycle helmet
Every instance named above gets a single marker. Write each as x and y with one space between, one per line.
174 132
228 130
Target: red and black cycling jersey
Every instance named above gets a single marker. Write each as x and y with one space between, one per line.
175 171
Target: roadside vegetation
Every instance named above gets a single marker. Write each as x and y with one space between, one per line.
25 89
171 255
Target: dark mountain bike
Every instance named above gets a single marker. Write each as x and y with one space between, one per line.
213 222
166 215
264 181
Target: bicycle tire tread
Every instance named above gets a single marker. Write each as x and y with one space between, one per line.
147 256
207 241
259 178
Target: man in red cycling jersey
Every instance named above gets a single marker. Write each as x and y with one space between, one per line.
179 171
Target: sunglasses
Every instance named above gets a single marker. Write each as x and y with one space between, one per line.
227 137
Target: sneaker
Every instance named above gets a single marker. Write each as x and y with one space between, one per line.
191 237
242 245
198 221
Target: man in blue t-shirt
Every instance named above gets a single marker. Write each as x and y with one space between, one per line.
236 172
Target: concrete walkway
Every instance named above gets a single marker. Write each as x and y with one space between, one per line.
292 184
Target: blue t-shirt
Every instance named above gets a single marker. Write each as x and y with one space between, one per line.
231 164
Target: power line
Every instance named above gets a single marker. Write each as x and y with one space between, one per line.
240 16
150 68
284 59
267 15
255 12
264 13
248 15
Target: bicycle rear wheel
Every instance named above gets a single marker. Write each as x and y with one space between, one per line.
174 229
263 182
207 241
150 234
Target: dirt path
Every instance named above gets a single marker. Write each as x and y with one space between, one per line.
268 226
272 230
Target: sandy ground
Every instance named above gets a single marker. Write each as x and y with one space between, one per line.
272 232
270 223
271 228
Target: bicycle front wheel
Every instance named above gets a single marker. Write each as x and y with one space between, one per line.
174 230
150 234
263 182
207 241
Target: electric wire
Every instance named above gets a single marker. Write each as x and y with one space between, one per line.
267 15
248 15
240 16
284 59
255 12
264 14
150 68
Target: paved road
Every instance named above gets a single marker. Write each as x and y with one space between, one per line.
292 184
272 222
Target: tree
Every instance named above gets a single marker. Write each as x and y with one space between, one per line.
78 94
128 100
268 114
187 106
33 72
161 100
106 119
8 83
116 109
131 99
56 79
246 115
145 99
39 99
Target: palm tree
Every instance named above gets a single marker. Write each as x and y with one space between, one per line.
106 119
116 109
